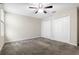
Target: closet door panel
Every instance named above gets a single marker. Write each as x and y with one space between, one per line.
61 29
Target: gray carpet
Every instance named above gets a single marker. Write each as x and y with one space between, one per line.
39 46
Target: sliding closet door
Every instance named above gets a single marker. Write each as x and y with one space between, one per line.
61 29
46 28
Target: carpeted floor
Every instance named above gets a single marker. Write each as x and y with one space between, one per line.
39 46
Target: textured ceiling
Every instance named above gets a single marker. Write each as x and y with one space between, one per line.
22 8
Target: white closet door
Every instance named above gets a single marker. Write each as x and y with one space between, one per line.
61 29
46 28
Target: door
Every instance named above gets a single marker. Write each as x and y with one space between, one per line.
46 28
61 29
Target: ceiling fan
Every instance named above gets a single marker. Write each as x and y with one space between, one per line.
41 8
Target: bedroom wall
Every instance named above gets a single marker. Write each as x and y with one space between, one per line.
1 36
20 27
72 13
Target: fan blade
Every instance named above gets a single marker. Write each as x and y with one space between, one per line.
33 7
49 7
36 12
44 11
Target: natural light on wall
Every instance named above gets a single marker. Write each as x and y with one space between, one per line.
2 23
1 27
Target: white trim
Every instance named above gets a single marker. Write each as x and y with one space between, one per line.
21 39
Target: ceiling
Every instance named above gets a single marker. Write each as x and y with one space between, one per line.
22 8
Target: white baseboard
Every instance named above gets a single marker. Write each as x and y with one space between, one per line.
62 42
38 37
21 39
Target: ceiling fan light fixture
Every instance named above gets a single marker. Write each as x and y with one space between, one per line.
41 8
40 11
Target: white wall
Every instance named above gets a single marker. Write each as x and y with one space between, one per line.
72 13
20 27
1 30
